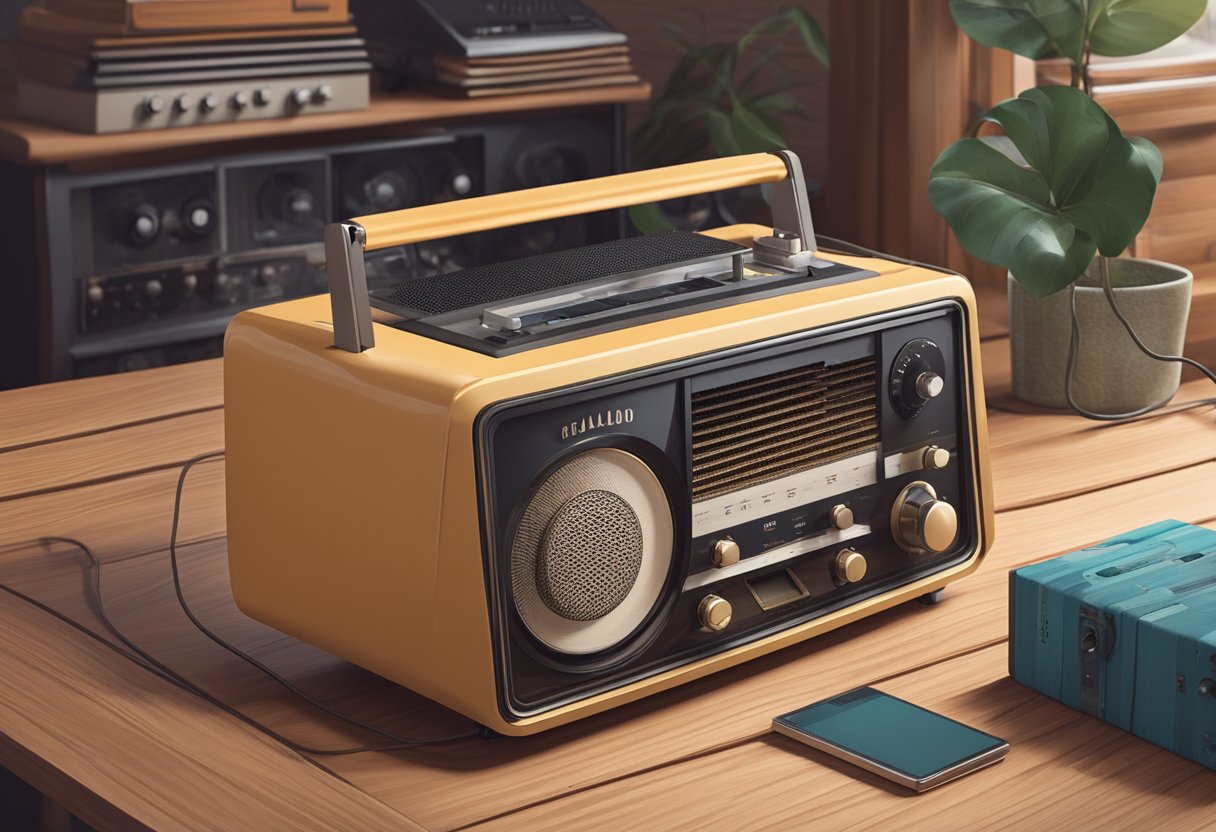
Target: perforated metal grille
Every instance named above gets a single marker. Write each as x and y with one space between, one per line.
758 430
482 285
590 556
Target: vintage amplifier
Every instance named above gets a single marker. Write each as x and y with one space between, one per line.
538 489
1125 630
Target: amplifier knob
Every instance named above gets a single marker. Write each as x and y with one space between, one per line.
323 93
144 224
239 100
921 523
935 458
714 612
261 96
850 566
725 552
300 97
152 105
208 103
183 103
96 293
153 287
842 517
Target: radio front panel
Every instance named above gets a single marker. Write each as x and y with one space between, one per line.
645 522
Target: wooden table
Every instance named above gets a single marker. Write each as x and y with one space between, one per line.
98 460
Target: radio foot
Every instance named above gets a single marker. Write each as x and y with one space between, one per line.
930 599
487 733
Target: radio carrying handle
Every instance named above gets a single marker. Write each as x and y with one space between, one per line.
346 242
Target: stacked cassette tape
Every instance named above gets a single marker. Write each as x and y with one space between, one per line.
104 66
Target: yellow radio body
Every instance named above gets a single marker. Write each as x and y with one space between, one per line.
365 489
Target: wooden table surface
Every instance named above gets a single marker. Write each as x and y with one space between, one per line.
98 460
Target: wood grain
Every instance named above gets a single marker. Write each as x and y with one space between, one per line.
32 144
55 411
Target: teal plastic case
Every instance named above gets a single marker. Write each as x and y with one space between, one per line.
1125 630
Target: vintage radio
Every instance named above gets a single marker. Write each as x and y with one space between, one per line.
538 489
1123 630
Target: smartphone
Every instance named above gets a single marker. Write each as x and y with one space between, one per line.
892 738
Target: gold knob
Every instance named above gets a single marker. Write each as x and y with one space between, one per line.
725 553
922 524
842 516
714 612
850 566
935 457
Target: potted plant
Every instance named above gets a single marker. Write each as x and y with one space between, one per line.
1057 196
722 98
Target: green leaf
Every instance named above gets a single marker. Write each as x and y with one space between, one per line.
649 218
1076 185
721 133
1130 27
812 36
753 133
1034 28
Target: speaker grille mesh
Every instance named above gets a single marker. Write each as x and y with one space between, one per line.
764 428
590 556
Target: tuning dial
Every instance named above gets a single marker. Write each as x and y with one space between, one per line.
850 566
199 217
917 377
144 225
841 517
152 105
935 458
183 103
261 96
239 100
725 553
714 612
207 103
300 97
921 523
323 93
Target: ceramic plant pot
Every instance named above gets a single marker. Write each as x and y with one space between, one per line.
1111 374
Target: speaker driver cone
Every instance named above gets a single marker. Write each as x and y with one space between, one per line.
592 552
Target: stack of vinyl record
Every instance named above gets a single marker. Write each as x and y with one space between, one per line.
102 66
479 48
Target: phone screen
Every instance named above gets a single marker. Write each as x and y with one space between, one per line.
891 732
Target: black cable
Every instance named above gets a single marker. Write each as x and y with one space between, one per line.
1074 347
1074 344
149 662
202 628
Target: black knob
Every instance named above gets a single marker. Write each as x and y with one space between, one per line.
199 217
143 225
918 375
299 205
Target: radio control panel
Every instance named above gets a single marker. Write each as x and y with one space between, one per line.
801 479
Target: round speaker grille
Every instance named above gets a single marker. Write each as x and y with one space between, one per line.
592 552
590 556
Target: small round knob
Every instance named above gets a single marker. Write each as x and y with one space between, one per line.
199 217
261 96
190 282
300 97
96 293
725 553
152 105
1207 687
239 100
323 93
921 523
714 612
850 566
841 517
145 225
929 385
183 103
935 458
461 184
153 287
207 103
